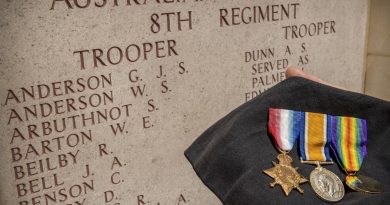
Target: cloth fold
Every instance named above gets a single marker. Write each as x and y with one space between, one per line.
229 156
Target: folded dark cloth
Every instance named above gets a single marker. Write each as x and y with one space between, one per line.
230 156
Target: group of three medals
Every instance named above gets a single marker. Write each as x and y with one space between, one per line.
315 131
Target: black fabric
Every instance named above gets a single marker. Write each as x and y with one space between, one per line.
229 157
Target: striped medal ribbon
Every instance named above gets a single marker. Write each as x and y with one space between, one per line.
349 139
314 144
284 126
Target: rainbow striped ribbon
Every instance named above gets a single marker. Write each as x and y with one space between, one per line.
349 139
314 142
347 136
284 125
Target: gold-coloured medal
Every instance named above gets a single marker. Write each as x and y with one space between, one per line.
364 184
285 175
349 140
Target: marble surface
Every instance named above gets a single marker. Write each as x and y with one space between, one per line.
99 99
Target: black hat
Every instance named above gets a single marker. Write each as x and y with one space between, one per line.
230 156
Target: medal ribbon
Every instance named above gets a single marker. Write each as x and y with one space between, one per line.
284 125
315 141
346 135
349 139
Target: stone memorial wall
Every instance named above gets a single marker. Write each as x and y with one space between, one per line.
100 98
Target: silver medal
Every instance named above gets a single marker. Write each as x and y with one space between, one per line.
326 184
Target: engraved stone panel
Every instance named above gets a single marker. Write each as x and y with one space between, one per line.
100 98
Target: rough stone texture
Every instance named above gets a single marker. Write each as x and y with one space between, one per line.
38 46
379 29
378 51
378 76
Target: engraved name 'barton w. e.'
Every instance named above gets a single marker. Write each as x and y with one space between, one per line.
100 98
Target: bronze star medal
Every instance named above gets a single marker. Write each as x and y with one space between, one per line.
285 175
284 127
